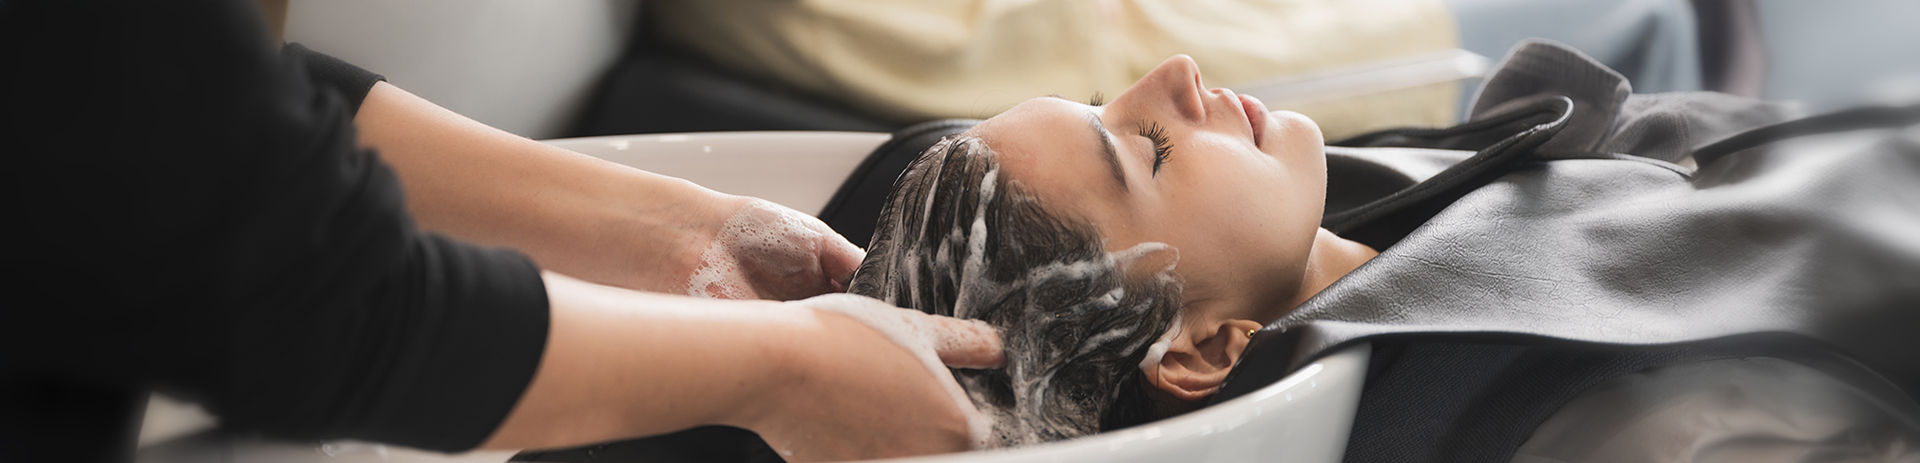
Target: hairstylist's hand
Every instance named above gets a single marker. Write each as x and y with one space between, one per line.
872 384
764 250
593 219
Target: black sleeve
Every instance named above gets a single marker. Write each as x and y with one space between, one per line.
331 74
192 215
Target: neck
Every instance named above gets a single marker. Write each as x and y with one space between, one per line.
1332 257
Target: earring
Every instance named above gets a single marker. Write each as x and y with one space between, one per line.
1250 332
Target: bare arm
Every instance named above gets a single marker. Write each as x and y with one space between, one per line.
572 213
816 385
621 364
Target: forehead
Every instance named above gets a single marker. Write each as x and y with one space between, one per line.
1038 127
1047 146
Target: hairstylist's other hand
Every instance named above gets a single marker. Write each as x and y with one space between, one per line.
871 383
764 250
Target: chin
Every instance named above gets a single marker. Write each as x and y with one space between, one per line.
1294 131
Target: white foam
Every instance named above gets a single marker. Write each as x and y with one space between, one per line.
961 256
769 238
912 254
1030 422
1158 350
1096 340
976 244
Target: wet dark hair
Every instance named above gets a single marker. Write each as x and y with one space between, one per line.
956 238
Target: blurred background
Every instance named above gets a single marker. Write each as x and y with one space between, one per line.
564 68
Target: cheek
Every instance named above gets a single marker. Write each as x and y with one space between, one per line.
1266 211
1230 213
1301 152
1232 191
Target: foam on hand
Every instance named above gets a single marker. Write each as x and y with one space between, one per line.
918 333
766 251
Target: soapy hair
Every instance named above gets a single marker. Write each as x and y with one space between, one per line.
957 238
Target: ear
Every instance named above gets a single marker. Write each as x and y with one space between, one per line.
1196 365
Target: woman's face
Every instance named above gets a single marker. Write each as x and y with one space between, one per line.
1238 191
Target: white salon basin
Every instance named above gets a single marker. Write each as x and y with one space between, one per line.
1303 418
800 170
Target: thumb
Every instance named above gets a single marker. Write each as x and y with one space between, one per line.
839 258
966 343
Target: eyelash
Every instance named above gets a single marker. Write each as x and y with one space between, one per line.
1162 146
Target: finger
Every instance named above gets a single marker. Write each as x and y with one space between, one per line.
966 343
839 258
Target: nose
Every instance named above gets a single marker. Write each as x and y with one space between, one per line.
1177 81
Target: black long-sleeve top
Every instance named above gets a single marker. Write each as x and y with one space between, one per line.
190 214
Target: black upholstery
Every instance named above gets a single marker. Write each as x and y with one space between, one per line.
659 91
659 88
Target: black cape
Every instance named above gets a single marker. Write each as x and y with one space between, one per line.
1562 237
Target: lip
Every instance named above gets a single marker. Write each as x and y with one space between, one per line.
1256 116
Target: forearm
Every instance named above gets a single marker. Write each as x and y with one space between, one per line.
621 364
816 384
571 213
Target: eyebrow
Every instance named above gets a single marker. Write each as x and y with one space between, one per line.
1106 146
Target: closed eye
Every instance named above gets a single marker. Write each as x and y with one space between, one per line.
1162 145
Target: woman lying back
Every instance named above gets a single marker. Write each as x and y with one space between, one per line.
1125 250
